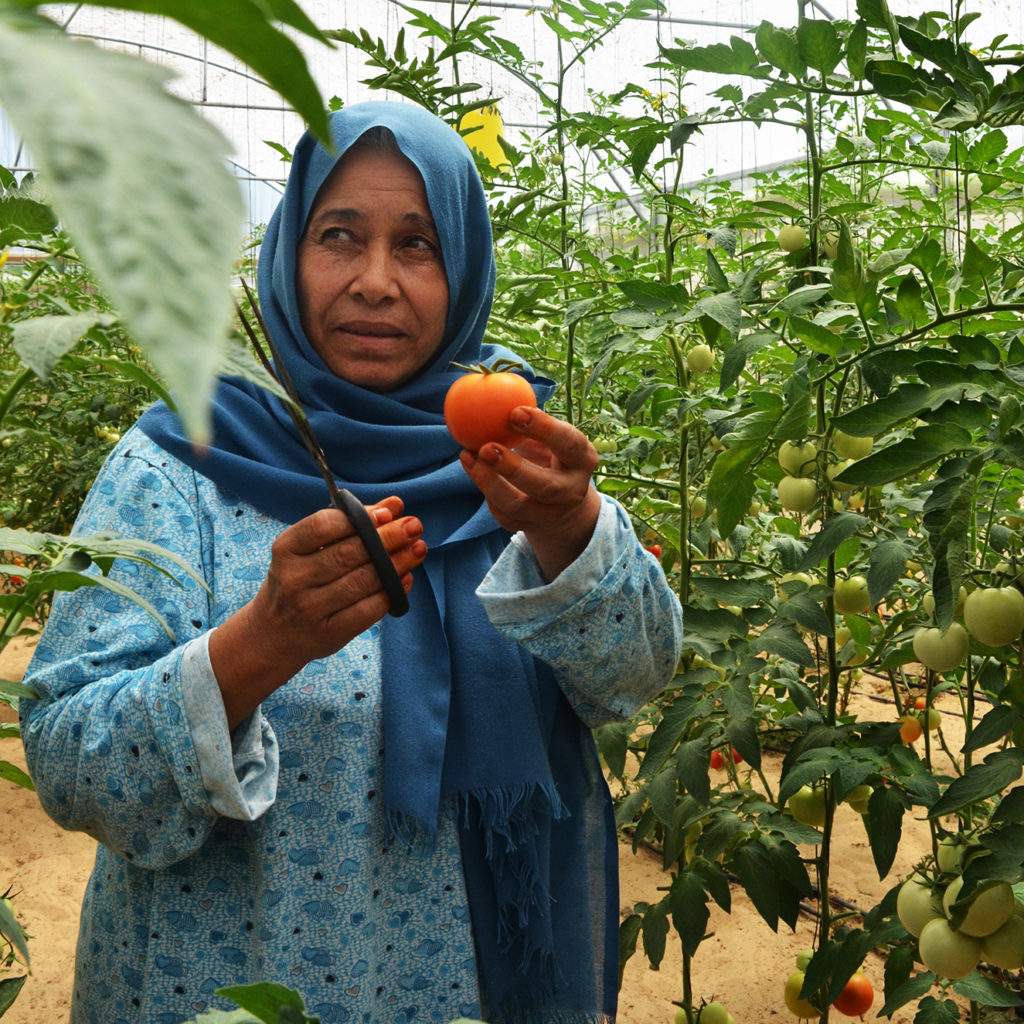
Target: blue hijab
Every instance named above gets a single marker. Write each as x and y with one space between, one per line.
467 714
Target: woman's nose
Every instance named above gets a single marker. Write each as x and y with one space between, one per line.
375 278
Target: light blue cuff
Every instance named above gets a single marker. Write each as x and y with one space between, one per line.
239 769
515 591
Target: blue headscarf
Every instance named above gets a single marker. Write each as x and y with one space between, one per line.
467 714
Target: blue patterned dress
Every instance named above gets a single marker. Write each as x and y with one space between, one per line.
227 858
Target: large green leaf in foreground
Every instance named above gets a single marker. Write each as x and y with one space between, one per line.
139 180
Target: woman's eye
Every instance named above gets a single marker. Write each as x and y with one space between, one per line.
335 234
422 244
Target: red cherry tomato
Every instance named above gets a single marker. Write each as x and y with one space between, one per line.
856 998
655 549
717 760
477 407
736 758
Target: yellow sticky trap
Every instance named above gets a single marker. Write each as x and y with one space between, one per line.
485 128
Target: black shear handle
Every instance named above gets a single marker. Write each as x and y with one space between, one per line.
364 526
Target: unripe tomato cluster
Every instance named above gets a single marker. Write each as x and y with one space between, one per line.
798 490
994 616
953 939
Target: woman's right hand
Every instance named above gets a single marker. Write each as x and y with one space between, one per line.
320 592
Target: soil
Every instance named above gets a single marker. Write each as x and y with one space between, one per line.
742 962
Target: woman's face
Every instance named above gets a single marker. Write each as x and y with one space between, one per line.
372 289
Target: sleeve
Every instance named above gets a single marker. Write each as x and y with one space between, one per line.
128 740
609 625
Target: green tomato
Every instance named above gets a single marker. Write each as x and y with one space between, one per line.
834 470
950 854
797 494
803 958
941 652
700 358
947 952
713 1013
802 1008
807 805
830 244
917 904
994 615
851 595
798 459
1005 946
792 238
848 446
788 577
858 798
989 908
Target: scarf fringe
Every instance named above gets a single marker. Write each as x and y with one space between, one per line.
510 813
410 833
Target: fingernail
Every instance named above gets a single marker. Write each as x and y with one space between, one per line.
521 417
381 516
418 549
490 453
413 528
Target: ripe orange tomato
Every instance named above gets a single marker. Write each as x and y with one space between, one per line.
910 728
477 407
856 997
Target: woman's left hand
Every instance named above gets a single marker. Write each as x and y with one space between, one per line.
543 488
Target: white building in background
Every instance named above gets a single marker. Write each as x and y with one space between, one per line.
247 112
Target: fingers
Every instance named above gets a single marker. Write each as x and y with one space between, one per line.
569 445
330 525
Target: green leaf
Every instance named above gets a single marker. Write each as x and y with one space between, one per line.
779 49
690 913
910 299
9 688
12 773
886 807
753 865
655 931
264 1000
818 44
142 187
978 267
985 991
876 14
28 215
12 931
629 932
783 641
992 727
997 772
834 531
816 337
903 459
723 308
9 989
42 340
857 50
888 560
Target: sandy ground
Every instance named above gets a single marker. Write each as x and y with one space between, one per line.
743 963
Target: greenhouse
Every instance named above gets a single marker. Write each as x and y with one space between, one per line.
511 512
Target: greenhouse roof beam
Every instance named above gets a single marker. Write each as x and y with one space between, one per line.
501 5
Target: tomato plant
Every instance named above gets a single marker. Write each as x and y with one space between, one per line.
478 405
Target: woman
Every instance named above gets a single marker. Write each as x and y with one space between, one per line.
401 817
